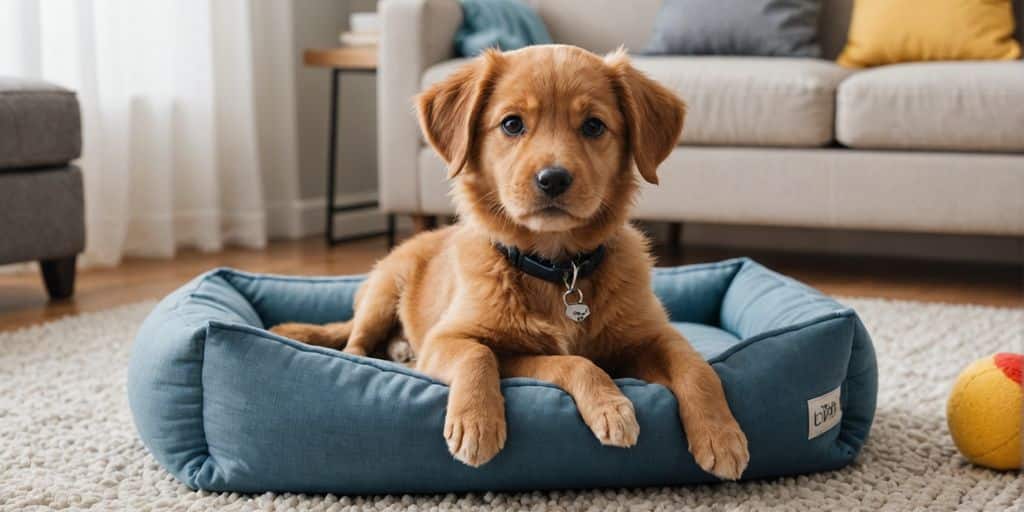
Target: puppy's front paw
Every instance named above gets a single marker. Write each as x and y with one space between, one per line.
613 422
720 448
474 437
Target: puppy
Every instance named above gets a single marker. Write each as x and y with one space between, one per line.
543 277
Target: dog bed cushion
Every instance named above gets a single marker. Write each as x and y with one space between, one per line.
225 405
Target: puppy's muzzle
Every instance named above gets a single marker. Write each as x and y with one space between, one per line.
553 181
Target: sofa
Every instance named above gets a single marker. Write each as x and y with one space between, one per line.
41 205
923 147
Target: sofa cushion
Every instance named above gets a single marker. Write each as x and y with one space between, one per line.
599 25
782 28
41 214
39 124
971 106
828 188
887 32
741 101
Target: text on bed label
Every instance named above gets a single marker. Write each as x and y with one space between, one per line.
823 413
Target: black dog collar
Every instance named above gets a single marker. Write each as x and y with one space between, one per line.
555 272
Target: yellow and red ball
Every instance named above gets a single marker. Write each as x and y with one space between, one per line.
984 412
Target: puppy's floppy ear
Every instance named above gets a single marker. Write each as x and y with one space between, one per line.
654 115
448 111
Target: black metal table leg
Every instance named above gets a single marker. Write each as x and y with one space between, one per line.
332 167
332 142
391 230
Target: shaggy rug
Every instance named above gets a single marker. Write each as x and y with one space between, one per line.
67 440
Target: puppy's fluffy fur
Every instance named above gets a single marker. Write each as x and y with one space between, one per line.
472 318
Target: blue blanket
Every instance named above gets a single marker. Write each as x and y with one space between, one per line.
503 24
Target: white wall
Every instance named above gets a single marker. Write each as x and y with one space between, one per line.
317 24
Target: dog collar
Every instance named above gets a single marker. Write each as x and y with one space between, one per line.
559 272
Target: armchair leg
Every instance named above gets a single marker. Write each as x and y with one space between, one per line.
675 235
391 231
674 240
59 277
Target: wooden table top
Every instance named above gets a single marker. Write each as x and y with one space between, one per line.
353 57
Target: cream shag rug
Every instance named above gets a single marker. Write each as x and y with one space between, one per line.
67 440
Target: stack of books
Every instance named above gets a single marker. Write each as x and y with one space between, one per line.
365 30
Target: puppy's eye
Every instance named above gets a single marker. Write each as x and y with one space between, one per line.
592 128
513 126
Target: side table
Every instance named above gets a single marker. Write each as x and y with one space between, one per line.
361 60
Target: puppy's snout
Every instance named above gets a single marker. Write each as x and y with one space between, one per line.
553 181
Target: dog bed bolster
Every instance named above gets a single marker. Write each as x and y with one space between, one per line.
225 405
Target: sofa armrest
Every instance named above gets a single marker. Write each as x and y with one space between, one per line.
416 35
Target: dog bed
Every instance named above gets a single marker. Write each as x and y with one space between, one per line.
225 405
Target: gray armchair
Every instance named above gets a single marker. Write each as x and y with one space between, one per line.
41 204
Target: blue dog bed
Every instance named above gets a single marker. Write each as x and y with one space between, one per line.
225 405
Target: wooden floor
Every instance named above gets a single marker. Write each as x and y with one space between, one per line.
23 301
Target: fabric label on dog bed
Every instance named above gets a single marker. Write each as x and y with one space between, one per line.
823 413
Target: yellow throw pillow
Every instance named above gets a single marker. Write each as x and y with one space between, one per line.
892 31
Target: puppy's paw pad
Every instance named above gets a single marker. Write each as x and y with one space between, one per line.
720 450
614 423
474 440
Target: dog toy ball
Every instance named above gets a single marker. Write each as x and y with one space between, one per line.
984 412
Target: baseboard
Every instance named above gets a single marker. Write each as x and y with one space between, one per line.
19 268
308 217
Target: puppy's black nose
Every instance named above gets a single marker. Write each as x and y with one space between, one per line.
553 180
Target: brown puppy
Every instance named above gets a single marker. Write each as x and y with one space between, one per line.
541 144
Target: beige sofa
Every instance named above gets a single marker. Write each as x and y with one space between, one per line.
929 147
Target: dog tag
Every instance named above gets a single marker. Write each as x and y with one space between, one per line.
577 312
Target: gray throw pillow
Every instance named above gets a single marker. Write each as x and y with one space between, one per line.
780 28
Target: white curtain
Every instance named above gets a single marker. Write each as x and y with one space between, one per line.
188 115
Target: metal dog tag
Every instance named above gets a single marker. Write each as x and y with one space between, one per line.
577 312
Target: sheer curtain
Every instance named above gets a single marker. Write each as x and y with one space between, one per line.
188 113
